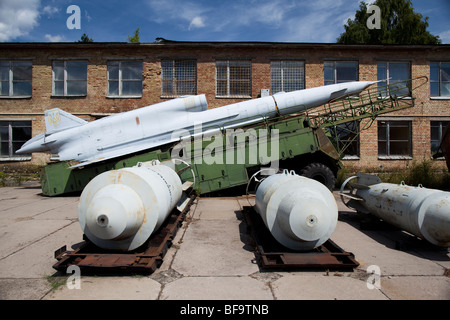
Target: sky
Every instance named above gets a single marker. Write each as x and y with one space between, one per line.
314 21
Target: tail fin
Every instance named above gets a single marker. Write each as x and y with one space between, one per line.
57 120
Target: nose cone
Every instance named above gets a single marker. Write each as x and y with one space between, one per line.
35 144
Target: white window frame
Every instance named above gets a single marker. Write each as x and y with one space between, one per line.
439 81
120 80
65 93
11 80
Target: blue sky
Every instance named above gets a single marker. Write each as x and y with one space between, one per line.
194 20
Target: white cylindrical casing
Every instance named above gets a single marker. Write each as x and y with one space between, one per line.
420 211
301 213
120 209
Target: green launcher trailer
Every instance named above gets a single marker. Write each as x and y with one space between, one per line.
310 143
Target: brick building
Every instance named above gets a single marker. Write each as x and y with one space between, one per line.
96 79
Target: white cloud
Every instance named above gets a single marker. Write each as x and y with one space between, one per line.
17 18
56 38
50 11
197 22
266 20
445 37
179 12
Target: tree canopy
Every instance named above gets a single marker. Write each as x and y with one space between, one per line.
85 38
399 24
134 38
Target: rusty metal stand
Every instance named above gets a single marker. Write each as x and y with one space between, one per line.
272 255
146 259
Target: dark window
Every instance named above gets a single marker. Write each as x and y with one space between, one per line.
15 78
125 78
394 138
13 134
70 78
437 130
340 71
440 79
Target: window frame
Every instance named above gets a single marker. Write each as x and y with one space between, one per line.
120 80
389 155
66 80
335 71
283 67
441 127
177 67
229 63
386 79
11 80
11 155
439 81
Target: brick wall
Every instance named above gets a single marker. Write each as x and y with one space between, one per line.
206 54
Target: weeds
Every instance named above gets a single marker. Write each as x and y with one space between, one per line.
422 173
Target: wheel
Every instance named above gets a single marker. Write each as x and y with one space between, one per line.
319 172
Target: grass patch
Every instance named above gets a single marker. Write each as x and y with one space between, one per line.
423 173
56 282
12 175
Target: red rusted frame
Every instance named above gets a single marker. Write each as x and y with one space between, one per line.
270 254
146 259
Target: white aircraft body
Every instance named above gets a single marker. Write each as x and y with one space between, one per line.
124 133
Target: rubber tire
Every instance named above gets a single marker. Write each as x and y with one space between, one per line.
319 172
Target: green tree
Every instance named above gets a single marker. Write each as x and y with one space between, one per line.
135 37
85 38
400 24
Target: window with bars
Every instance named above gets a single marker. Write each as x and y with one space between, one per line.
394 138
440 79
13 134
234 79
125 79
287 75
70 78
340 71
15 78
437 130
392 77
179 78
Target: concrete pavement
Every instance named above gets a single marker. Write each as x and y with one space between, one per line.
211 258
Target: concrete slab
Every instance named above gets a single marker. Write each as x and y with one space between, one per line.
23 289
322 287
416 288
16 236
35 260
373 248
98 288
217 209
216 288
214 248
211 258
